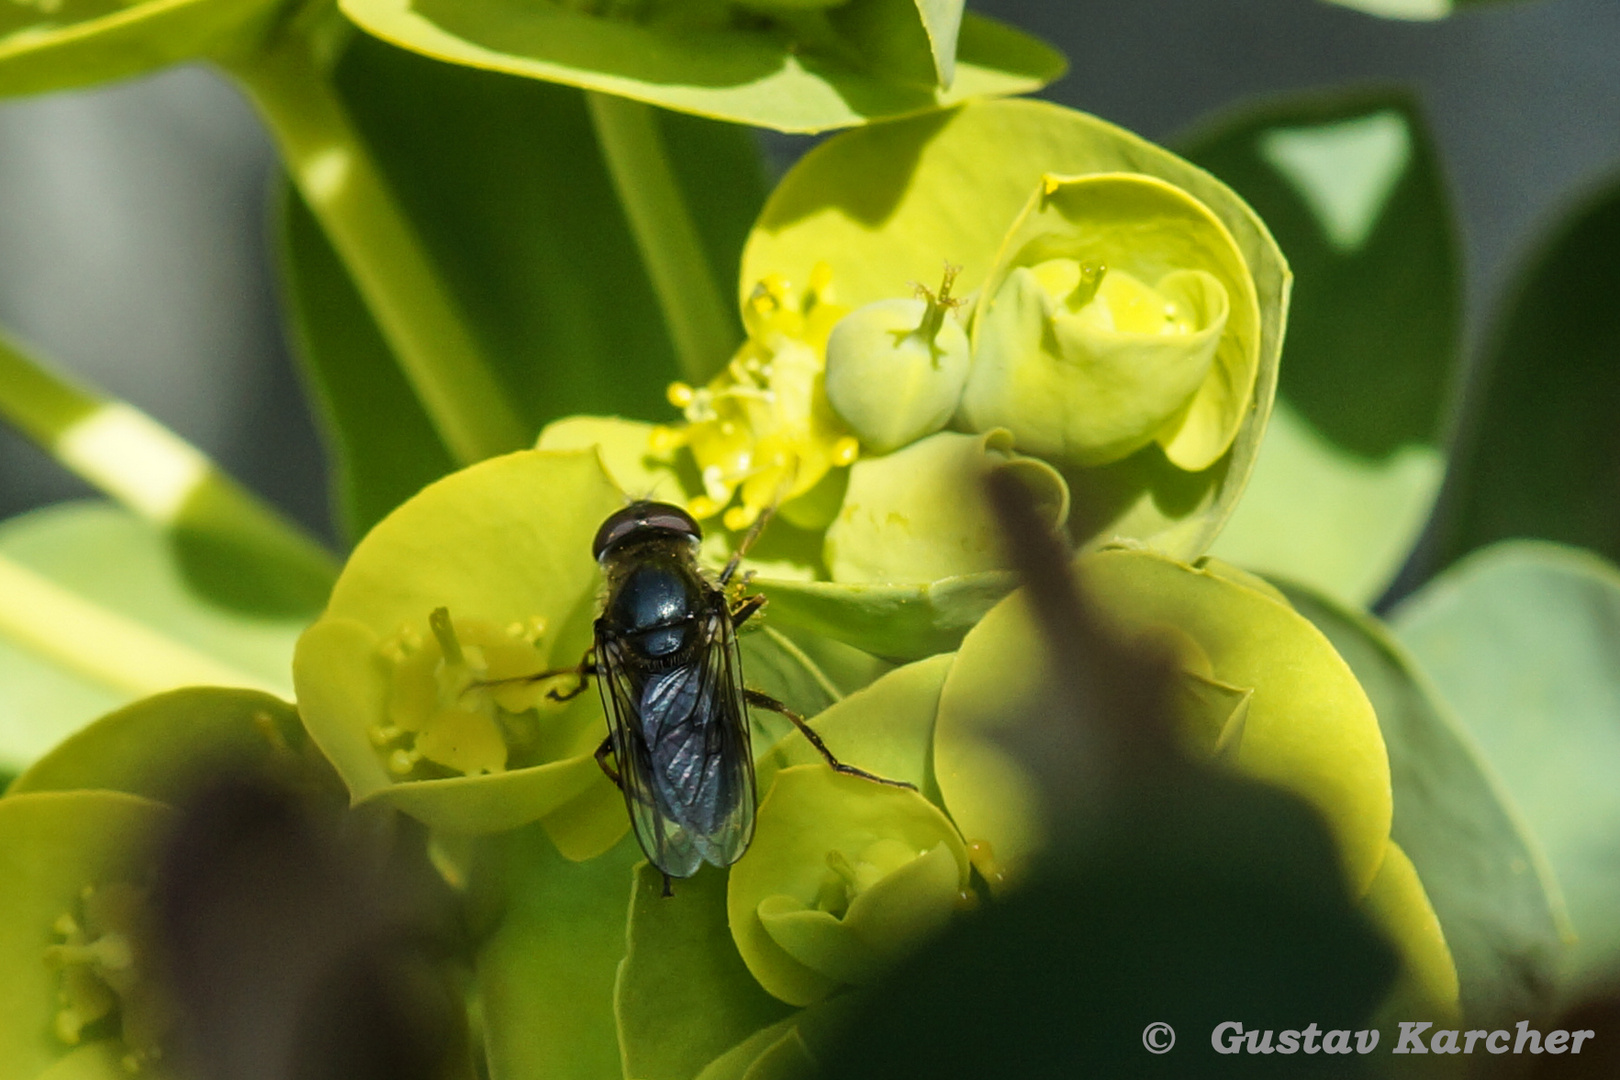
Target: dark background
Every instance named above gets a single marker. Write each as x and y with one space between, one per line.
133 218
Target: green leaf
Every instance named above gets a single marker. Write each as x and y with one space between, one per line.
1483 871
1351 188
544 270
160 746
546 974
232 546
239 553
1540 452
52 846
382 445
1520 642
46 46
125 565
684 996
885 205
788 1049
755 75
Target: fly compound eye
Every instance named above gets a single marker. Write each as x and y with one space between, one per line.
644 517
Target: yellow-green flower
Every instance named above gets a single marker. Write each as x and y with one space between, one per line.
762 429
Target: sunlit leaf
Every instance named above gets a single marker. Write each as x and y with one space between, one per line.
546 973
743 74
1308 727
54 46
903 622
160 745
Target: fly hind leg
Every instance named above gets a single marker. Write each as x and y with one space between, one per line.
608 769
765 701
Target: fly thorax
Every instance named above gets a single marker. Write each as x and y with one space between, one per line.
652 602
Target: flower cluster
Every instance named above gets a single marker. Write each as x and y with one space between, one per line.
1119 337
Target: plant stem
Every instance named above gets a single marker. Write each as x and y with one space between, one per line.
138 461
101 645
333 170
694 312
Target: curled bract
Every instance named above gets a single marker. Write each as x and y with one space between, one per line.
844 878
1120 313
413 680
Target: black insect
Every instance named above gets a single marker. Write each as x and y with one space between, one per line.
671 680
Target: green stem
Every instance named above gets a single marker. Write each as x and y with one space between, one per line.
696 316
145 466
100 645
333 170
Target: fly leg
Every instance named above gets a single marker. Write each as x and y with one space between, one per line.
765 701
584 670
747 607
609 770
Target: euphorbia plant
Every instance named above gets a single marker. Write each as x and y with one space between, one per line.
957 288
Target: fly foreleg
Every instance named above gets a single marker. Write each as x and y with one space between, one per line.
765 701
746 608
583 670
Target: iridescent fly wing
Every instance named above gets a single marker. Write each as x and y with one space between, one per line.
680 737
728 743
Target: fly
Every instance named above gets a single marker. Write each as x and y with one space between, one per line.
670 675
